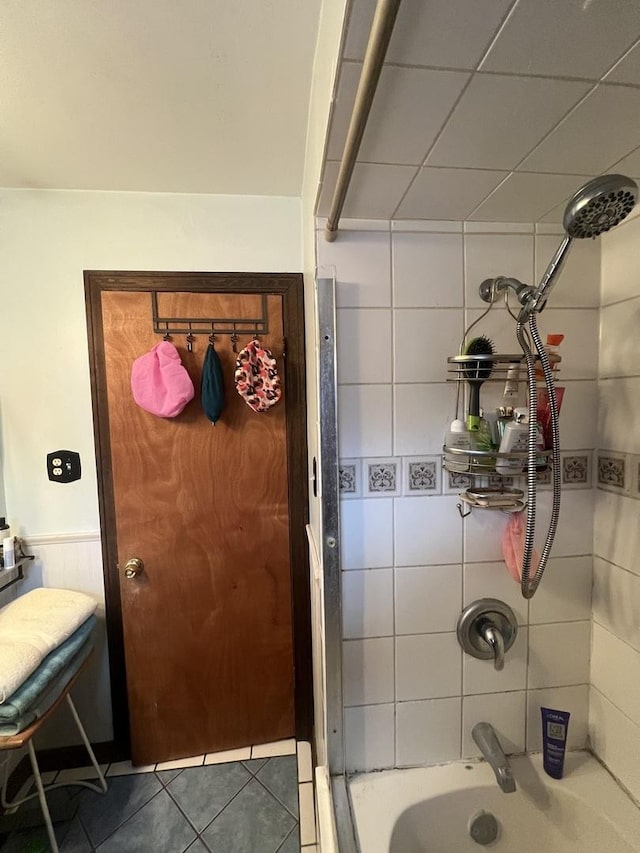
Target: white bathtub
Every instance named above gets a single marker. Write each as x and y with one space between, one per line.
428 810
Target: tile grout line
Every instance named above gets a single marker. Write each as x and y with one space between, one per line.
120 825
275 796
248 782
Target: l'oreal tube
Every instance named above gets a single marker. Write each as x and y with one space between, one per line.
555 725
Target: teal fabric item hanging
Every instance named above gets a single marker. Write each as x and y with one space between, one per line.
212 389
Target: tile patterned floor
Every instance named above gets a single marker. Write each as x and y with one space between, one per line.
210 804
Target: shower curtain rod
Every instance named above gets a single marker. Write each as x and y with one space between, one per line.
379 37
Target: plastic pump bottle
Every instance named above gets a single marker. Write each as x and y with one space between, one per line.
8 552
459 437
514 440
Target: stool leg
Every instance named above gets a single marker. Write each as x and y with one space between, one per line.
42 798
83 735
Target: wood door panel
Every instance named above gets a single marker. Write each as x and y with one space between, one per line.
207 626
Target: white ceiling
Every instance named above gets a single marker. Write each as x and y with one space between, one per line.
156 95
490 110
486 109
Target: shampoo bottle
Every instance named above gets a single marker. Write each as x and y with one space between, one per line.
514 440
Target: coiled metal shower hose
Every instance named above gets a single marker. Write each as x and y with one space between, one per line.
528 584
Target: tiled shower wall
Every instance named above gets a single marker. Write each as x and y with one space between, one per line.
405 293
614 724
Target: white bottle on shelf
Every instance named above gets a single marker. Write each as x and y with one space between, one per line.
514 440
459 438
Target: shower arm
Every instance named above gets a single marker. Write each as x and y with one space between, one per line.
532 299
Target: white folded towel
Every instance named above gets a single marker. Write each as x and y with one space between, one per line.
34 625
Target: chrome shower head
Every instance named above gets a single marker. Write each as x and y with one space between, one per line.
599 205
596 207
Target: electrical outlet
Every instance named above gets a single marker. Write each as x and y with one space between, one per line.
63 466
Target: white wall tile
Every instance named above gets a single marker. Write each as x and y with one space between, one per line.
423 340
560 39
428 666
480 676
367 603
528 106
492 580
369 737
366 532
363 338
619 339
443 226
616 601
364 420
578 414
375 192
416 99
507 714
427 598
578 285
615 740
527 197
617 410
427 270
615 672
368 671
579 349
565 592
447 193
582 143
427 531
491 255
616 531
362 261
559 654
620 262
422 415
483 536
418 33
428 732
498 326
575 700
575 528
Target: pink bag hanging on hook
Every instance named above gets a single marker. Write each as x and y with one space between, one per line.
513 538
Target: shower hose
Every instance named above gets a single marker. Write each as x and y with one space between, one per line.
529 584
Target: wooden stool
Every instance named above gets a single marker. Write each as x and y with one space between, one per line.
8 742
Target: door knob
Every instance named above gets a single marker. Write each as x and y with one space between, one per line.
133 567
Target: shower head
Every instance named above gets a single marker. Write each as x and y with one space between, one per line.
599 205
595 208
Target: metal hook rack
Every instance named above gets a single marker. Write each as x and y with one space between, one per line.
190 326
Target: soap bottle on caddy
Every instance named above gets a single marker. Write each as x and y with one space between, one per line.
515 439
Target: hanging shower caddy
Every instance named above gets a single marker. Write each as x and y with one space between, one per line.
491 488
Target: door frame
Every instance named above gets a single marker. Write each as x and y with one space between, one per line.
290 287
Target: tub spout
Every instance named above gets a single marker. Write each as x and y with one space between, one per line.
489 745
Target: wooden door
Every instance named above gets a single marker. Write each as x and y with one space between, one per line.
208 624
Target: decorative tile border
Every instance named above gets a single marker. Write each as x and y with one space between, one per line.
618 472
576 469
456 482
350 478
612 471
422 475
382 478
